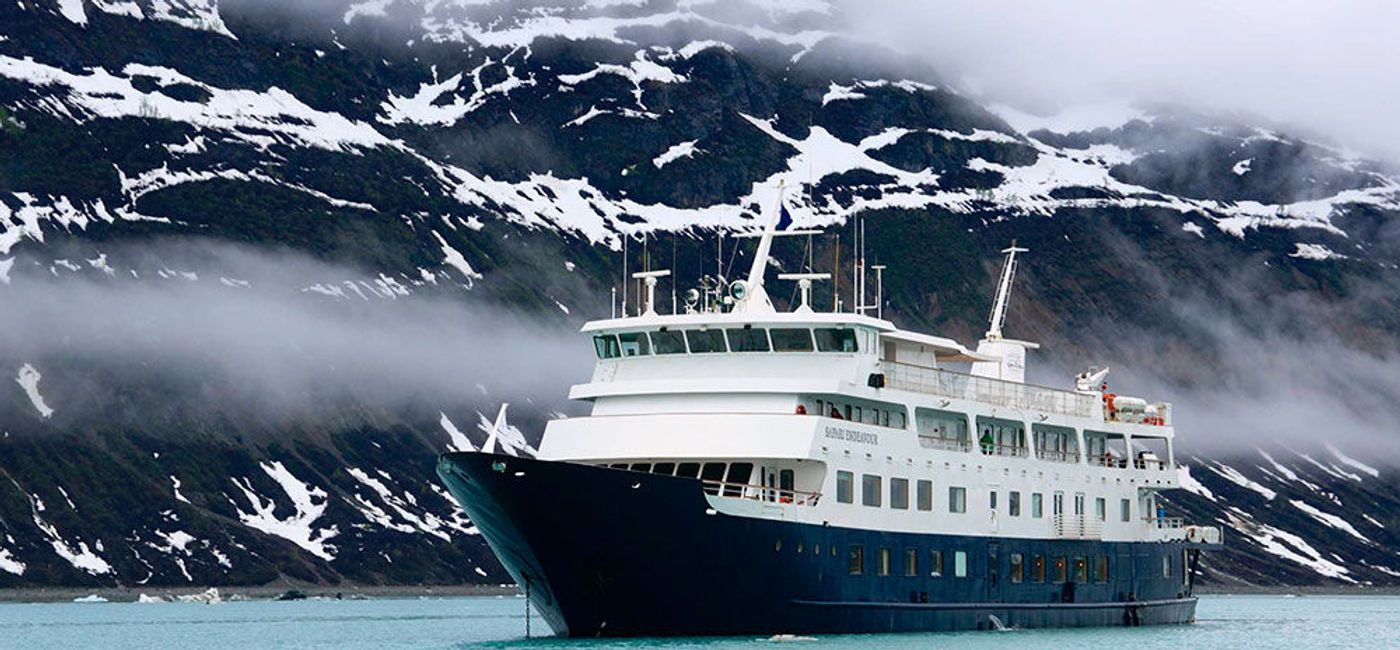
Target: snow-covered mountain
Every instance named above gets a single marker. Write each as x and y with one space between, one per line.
325 157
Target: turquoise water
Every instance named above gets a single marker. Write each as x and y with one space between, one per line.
1225 623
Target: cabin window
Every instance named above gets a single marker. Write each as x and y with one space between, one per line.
606 345
957 499
634 344
1101 508
748 339
855 560
1081 570
644 468
1038 568
960 564
924 490
1061 568
738 477
1018 569
870 490
712 474
911 562
1037 505
845 487
935 563
1166 566
1101 569
688 470
702 341
883 566
1125 508
1013 504
899 493
664 468
992 499
668 342
791 339
835 340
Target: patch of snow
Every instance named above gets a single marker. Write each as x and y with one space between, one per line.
457 441
9 564
1375 473
1075 119
510 437
455 259
29 380
1288 473
1242 167
234 282
119 8
1375 523
309 503
79 555
1315 252
73 11
100 263
1190 484
427 523
1286 545
837 93
5 270
676 152
1230 474
1329 519
175 485
1194 228
1331 470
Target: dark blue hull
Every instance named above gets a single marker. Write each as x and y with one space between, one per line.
615 553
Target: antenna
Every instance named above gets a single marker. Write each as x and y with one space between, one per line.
624 275
650 278
804 284
879 290
1008 271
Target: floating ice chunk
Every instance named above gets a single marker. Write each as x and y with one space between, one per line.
29 380
90 598
143 598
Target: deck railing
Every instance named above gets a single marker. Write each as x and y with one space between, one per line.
1067 526
760 492
945 383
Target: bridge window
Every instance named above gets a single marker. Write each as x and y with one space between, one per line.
712 474
855 560
739 476
835 340
1018 569
791 339
1038 568
644 468
668 342
688 470
883 568
1061 568
748 339
606 346
702 341
935 563
911 562
634 344
870 490
957 499
845 487
664 468
924 490
899 493
960 564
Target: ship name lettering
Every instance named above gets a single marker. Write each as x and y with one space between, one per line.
863 437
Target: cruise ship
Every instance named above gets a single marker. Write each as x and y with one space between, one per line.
746 470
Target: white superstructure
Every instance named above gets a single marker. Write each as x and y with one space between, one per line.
844 419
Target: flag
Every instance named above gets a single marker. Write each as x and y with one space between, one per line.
784 219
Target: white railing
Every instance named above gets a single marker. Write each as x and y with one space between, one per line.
945 383
753 492
1067 526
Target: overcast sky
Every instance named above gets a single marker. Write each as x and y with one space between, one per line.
1329 65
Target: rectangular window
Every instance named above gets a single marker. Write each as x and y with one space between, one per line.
1166 566
737 477
748 339
1013 504
1081 569
857 416
1101 508
644 468
1101 569
634 344
855 560
1061 569
835 340
712 474
688 470
1038 568
957 499
705 341
845 487
924 489
664 468
870 490
883 567
1037 505
899 493
606 346
1018 569
789 339
960 564
1126 509
668 342
935 563
911 562
992 498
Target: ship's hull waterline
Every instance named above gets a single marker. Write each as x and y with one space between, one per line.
608 552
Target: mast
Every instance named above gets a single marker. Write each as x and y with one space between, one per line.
1008 272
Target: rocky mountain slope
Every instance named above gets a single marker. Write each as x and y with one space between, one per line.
293 171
